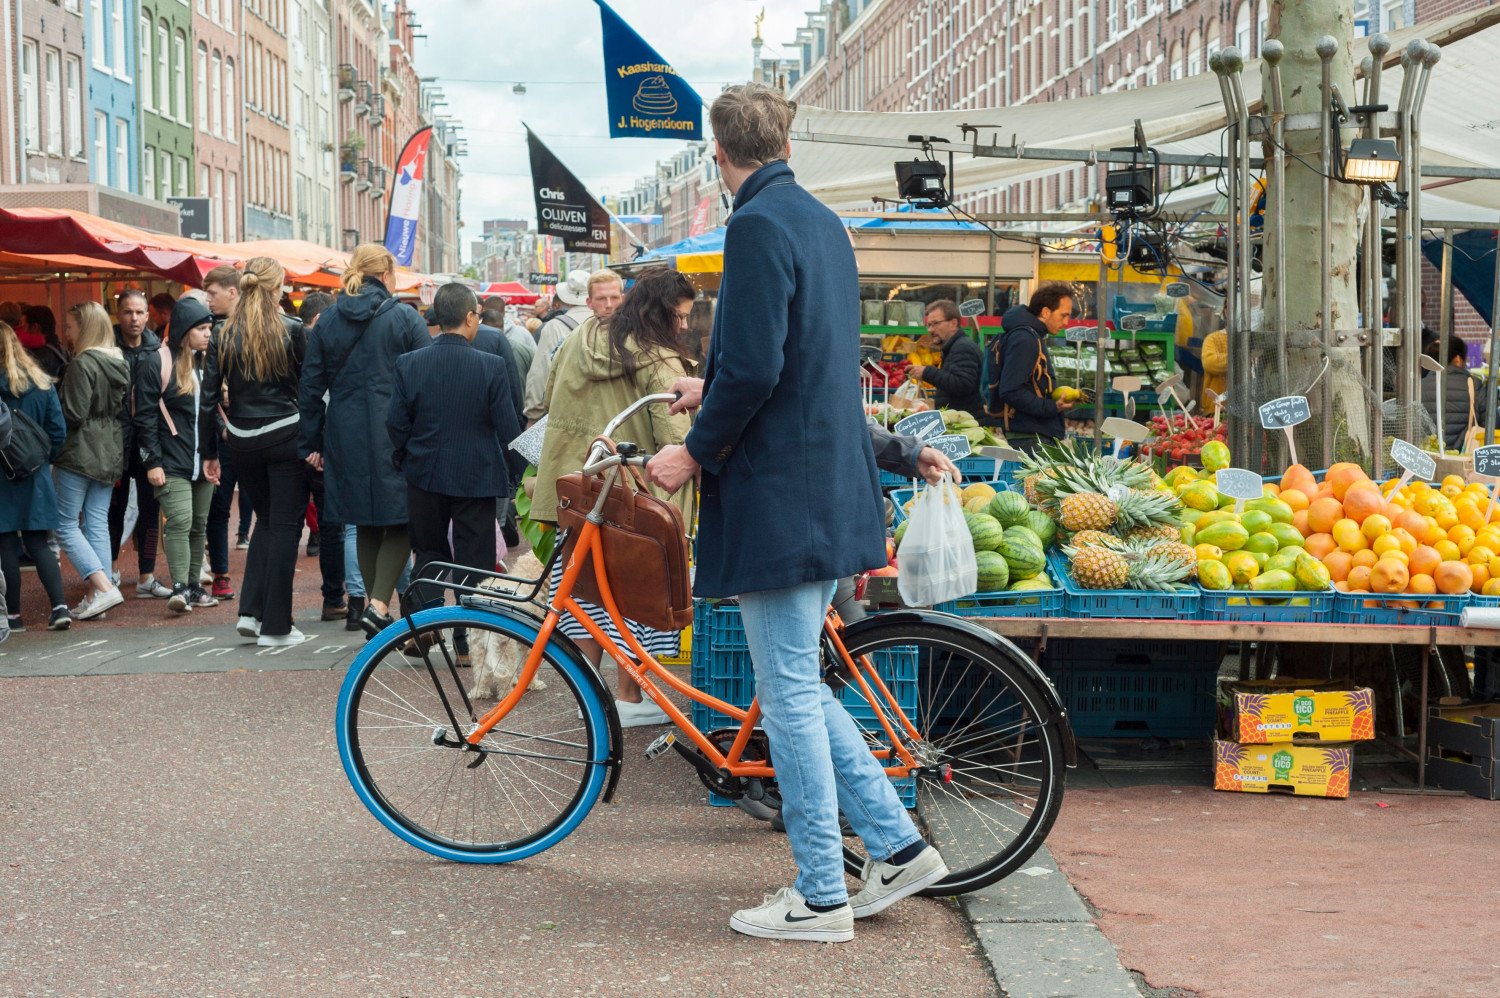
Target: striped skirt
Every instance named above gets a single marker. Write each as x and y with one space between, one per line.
661 644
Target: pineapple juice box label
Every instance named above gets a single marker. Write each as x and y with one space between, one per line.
1283 767
1257 713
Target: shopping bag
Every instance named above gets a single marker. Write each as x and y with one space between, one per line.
937 555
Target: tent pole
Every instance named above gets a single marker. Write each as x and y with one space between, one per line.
1494 360
1100 293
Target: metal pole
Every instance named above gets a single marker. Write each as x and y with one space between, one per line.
989 291
1271 51
1239 439
1494 361
1410 338
1101 291
1445 300
1374 272
1327 46
1429 58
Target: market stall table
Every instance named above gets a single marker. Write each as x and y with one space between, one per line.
1428 637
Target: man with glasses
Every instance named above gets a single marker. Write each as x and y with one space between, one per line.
956 382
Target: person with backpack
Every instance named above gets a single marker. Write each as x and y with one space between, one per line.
252 369
94 408
172 432
39 335
138 345
31 434
353 359
1020 399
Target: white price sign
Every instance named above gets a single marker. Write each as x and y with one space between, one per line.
1124 430
1487 466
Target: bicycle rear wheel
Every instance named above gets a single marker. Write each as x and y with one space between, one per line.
991 747
405 708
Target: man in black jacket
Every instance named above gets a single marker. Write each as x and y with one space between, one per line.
957 380
1021 376
140 346
450 420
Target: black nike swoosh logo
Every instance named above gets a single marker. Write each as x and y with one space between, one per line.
804 918
888 881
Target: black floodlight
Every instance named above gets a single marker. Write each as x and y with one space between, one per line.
921 182
1372 161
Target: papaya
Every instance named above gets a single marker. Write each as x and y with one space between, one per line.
1280 511
1200 495
1227 535
1311 574
1213 575
1274 582
1256 520
1217 516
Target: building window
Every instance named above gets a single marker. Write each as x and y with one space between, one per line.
120 66
143 58
1393 15
52 84
101 147
96 18
164 105
179 77
122 154
182 177
231 109
216 95
219 213
75 106
200 91
165 179
1242 29
31 122
233 209
148 173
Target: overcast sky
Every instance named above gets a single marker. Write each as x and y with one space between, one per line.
480 48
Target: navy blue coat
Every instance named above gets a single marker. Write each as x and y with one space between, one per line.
790 493
31 503
451 420
492 341
351 354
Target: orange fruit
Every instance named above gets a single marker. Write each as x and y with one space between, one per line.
1270 490
1491 588
1347 536
1359 578
1480 554
1385 543
1450 491
1469 515
1339 564
1295 498
1319 544
1454 481
1448 550
1342 475
1430 503
1412 523
1389 576
1400 556
1322 514
1374 525
1453 577
1449 517
1362 500
1432 534
1481 576
1420 583
1408 542
1342 585
1365 558
1298 478
1425 560
1299 520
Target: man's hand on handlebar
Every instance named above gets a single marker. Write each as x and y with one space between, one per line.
934 464
690 394
673 467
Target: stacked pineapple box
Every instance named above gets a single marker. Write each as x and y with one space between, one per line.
1289 736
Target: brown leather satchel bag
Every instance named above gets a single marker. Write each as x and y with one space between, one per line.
644 543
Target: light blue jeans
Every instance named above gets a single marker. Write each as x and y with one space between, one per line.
354 583
823 763
87 547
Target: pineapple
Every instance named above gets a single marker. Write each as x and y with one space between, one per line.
1098 567
1363 726
1228 757
1178 552
1340 762
1093 538
1138 508
1251 707
1156 532
1087 511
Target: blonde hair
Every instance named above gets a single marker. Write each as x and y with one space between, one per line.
94 330
752 124
605 277
367 260
22 372
254 335
184 370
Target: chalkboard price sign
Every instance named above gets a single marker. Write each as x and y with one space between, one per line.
922 425
1413 460
972 307
1288 411
955 445
1134 322
1178 289
1487 461
1081 334
1239 485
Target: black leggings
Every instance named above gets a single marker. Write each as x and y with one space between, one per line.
272 479
46 568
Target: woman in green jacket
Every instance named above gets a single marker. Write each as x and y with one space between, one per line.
93 404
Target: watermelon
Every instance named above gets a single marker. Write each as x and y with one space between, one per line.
1024 535
1041 524
994 573
986 531
1009 508
1023 557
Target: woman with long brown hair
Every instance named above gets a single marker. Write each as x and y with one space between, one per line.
256 358
93 403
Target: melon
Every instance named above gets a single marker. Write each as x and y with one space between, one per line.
1024 535
986 532
1041 524
1039 583
1023 557
978 504
976 491
1009 508
994 573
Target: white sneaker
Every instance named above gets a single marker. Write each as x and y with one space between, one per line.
150 588
640 715
293 637
886 884
248 627
205 574
785 915
92 607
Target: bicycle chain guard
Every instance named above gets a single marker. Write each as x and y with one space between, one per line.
758 749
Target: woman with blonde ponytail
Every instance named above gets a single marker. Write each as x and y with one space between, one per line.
353 361
256 359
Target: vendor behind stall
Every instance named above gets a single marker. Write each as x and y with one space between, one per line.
956 382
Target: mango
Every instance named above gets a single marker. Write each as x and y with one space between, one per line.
1227 535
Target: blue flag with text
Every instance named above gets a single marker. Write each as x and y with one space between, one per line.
647 99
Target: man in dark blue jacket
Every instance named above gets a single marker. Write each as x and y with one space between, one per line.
1021 376
450 420
791 504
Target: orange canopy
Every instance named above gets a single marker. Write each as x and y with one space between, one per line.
309 263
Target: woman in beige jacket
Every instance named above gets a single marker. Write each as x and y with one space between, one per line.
599 370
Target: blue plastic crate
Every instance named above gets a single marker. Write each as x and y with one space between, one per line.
1031 603
1138 702
1241 605
1433 608
1143 604
718 626
975 468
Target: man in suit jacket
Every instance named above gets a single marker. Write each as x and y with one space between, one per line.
451 419
780 440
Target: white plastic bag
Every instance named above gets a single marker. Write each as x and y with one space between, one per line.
937 555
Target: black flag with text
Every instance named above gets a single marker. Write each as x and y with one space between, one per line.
564 207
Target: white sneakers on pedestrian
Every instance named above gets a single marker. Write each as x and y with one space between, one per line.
205 574
886 884
248 627
94 605
149 588
293 637
640 715
785 915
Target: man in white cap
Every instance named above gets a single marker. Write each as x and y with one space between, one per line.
587 296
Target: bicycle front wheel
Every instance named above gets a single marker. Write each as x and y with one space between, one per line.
407 704
991 777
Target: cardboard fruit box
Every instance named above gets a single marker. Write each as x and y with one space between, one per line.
1263 711
1463 748
1285 768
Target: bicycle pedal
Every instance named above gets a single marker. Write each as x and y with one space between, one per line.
658 747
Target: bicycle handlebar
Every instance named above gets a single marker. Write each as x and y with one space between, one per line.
593 463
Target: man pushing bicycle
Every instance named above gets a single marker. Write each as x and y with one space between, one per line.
790 504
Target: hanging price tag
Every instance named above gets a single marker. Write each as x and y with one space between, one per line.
1284 414
1412 460
1240 485
1124 431
922 425
955 445
1487 466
